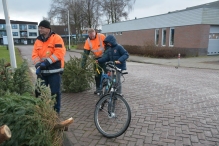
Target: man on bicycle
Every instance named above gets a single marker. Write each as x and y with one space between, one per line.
116 53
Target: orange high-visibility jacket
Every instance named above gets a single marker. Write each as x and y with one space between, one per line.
53 50
96 46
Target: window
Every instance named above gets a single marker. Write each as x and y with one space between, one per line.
214 36
15 33
23 27
2 26
171 40
156 37
164 32
32 34
32 27
14 26
23 34
2 33
16 41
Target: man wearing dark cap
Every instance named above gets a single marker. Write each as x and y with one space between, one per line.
48 58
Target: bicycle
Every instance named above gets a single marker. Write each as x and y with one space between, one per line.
112 114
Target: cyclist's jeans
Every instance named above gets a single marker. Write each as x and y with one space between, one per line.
118 79
54 82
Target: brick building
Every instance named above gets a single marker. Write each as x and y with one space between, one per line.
196 28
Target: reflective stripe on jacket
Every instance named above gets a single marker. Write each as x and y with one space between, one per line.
53 50
96 46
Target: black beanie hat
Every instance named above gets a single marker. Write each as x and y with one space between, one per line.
45 23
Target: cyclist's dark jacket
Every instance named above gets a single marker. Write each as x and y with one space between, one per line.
114 53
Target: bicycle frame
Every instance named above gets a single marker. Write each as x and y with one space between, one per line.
110 77
112 84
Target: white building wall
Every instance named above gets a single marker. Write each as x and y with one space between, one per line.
210 16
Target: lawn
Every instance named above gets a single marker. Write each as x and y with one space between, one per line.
4 54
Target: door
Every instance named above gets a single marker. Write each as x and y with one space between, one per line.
213 45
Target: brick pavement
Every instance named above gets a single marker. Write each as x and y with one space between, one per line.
169 107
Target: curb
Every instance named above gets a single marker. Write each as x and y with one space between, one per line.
66 141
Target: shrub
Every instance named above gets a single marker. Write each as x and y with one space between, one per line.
150 50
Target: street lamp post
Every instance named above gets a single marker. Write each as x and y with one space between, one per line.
9 35
69 39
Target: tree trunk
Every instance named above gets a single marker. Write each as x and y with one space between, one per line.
64 124
5 133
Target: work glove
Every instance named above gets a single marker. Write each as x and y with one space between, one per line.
44 64
38 71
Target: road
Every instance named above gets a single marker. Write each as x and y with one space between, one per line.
169 107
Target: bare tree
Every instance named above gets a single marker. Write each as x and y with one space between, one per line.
116 10
88 13
82 12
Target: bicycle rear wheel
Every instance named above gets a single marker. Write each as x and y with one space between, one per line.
115 123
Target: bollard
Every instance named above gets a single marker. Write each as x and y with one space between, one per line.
178 61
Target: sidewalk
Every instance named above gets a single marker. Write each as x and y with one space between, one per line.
202 62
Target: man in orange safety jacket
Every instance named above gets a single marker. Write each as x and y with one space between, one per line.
48 57
94 44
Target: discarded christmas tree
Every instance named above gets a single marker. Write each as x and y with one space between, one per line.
77 78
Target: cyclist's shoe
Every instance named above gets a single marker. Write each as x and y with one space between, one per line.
95 92
98 92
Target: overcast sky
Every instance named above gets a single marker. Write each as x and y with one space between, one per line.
35 10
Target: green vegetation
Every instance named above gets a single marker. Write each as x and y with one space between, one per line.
4 54
31 120
78 79
151 50
14 82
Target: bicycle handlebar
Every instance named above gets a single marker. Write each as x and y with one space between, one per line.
111 65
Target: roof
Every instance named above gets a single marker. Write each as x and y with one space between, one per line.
206 5
2 21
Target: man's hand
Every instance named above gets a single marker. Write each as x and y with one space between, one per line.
38 71
96 61
44 64
117 62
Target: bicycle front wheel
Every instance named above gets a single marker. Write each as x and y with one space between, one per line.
112 118
105 87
